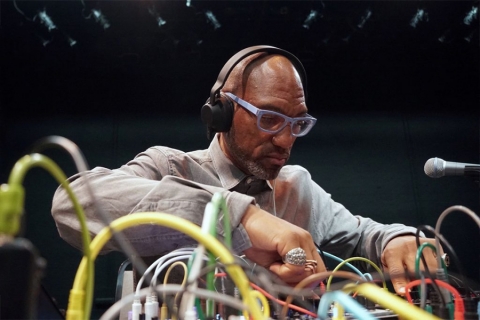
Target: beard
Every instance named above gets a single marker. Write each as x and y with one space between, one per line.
243 158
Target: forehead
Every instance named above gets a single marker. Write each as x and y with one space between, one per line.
277 88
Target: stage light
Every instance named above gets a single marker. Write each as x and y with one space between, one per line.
71 41
472 14
446 37
421 15
156 15
211 17
46 20
100 18
363 20
312 16
44 41
469 37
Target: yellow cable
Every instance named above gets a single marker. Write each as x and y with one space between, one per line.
82 305
339 313
390 301
173 265
167 274
355 259
263 301
182 225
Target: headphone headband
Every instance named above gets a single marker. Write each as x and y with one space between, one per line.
239 56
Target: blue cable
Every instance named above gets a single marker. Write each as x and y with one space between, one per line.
368 276
331 256
346 301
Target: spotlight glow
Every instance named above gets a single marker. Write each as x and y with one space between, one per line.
46 20
472 14
421 15
312 16
211 17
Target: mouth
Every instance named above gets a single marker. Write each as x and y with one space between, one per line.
278 160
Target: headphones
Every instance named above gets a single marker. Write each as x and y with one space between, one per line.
217 112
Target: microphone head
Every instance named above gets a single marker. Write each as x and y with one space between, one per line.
435 167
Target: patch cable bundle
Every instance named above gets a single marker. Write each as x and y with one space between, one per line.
207 268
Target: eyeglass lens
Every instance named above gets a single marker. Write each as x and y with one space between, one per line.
273 122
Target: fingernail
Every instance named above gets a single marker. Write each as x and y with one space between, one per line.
401 290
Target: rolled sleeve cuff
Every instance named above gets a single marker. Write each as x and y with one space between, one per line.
240 239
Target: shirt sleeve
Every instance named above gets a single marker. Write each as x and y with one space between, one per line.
345 235
144 185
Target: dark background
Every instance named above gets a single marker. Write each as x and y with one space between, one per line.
388 96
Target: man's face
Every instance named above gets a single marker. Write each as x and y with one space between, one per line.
275 87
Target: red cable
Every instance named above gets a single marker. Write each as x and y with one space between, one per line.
459 305
266 294
291 306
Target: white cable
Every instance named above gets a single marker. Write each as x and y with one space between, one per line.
194 272
161 267
274 205
114 310
161 260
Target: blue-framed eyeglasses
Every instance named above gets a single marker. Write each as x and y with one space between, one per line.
274 122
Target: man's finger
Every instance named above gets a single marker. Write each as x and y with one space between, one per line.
398 277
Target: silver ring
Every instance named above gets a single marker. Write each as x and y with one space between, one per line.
312 262
311 268
296 256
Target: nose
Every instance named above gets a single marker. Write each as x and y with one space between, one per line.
284 138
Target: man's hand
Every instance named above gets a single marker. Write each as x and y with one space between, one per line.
398 260
272 238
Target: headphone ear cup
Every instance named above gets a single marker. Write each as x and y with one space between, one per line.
218 117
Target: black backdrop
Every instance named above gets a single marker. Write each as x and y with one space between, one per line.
389 93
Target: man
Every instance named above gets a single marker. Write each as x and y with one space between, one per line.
278 213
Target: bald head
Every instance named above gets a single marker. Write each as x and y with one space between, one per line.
260 69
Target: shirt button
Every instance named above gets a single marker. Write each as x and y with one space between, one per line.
249 180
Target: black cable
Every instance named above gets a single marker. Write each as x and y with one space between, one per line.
322 255
427 270
452 252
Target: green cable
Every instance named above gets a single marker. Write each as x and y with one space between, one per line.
200 313
218 204
419 255
450 306
356 259
16 178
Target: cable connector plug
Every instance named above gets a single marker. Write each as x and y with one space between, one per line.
136 308
155 306
148 308
11 208
191 315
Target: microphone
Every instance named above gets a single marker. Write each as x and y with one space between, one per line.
437 168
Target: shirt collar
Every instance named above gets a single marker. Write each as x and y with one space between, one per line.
230 176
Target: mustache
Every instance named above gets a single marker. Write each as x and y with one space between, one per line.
283 153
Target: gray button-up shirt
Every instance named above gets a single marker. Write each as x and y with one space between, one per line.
163 179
